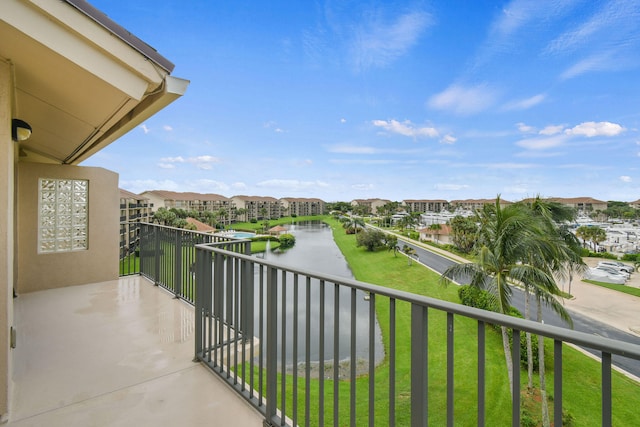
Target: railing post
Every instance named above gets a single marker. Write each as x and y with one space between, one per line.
515 368
156 255
204 282
419 366
177 267
272 346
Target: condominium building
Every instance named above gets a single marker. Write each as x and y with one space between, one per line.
302 207
190 201
370 205
133 209
424 206
257 207
476 204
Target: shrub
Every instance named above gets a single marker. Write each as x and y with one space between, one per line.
371 239
287 240
479 298
253 220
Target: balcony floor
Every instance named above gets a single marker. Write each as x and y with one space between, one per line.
114 354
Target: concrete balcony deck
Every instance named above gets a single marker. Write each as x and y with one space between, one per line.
114 354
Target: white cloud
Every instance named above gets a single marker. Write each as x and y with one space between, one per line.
542 143
178 159
406 128
591 129
551 130
352 149
343 120
239 186
167 128
292 184
524 104
463 100
144 128
377 43
591 63
363 187
451 187
448 139
524 128
201 162
625 178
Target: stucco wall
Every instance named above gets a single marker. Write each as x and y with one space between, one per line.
53 270
7 159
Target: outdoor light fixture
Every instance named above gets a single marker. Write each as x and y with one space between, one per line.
20 130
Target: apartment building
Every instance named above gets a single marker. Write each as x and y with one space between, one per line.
189 201
476 204
581 204
72 81
424 206
370 205
133 209
302 206
257 207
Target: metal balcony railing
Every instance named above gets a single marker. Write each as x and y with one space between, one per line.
296 346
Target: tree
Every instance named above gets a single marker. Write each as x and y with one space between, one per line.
242 212
353 224
558 253
463 233
598 235
222 214
584 233
391 243
410 252
371 239
505 237
263 212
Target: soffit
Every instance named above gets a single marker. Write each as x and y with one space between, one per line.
77 85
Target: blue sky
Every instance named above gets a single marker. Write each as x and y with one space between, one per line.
398 100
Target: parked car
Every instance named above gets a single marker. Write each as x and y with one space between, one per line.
603 276
614 271
618 265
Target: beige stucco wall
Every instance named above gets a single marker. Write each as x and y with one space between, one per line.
53 270
6 235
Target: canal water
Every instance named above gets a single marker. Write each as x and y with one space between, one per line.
316 251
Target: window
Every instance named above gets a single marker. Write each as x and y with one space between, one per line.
63 207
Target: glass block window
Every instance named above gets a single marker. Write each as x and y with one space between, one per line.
63 207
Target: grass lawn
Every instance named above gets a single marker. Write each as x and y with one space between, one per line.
620 288
581 374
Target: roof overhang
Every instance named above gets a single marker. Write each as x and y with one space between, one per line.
80 80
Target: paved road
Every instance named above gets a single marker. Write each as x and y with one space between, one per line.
580 322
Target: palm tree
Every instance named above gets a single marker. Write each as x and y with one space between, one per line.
353 223
409 252
505 238
560 257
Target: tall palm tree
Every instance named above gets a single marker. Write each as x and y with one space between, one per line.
505 238
560 258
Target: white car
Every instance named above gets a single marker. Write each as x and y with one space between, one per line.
614 271
603 276
618 265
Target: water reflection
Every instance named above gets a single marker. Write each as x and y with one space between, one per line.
316 251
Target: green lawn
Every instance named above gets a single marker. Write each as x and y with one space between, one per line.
620 288
581 374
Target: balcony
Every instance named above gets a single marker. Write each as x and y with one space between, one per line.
121 353
114 353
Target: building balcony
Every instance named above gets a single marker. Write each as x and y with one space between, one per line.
122 352
114 354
